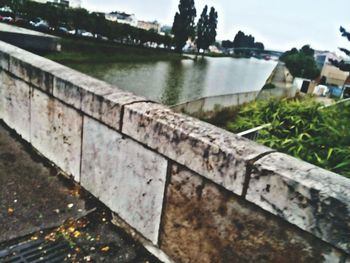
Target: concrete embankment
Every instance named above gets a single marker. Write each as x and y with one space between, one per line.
28 39
198 193
215 103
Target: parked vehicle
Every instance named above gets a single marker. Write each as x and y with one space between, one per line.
21 22
40 24
87 34
7 19
346 92
62 30
321 90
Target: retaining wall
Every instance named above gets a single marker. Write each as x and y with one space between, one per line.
197 192
28 39
215 103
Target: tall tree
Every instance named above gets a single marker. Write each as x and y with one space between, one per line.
342 65
183 26
202 27
212 26
206 28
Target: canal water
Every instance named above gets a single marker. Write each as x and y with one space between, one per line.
174 82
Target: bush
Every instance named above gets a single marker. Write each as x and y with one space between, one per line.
301 129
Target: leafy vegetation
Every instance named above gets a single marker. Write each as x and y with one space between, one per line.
301 63
301 128
243 44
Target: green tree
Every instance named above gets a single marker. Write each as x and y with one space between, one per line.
301 63
202 28
212 26
342 65
206 28
183 26
243 44
79 18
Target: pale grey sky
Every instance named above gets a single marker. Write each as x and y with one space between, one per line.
279 24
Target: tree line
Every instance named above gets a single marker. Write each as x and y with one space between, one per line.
184 27
81 19
243 43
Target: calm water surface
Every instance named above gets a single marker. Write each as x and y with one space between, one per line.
180 81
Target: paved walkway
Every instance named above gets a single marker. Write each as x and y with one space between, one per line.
36 203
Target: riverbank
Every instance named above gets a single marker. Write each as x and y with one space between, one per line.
89 51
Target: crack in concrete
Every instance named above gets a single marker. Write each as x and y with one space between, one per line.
249 170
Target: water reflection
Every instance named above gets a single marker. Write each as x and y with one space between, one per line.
179 81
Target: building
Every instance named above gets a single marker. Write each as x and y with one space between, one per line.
334 76
155 26
64 3
323 57
75 3
70 3
122 18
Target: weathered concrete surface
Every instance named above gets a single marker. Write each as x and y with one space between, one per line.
56 132
28 39
15 104
212 152
124 175
312 198
203 223
31 196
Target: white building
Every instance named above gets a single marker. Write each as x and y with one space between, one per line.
155 26
75 3
71 3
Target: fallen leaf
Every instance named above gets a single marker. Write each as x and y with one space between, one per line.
34 238
105 249
10 211
76 234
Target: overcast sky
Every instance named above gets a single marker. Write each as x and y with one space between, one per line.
279 24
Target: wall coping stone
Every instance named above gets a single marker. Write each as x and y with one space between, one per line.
305 195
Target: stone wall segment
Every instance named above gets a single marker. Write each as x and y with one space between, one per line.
15 104
124 175
212 152
205 223
307 196
56 132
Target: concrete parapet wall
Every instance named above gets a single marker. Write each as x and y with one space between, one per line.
199 193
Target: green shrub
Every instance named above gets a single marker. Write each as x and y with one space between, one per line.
301 129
